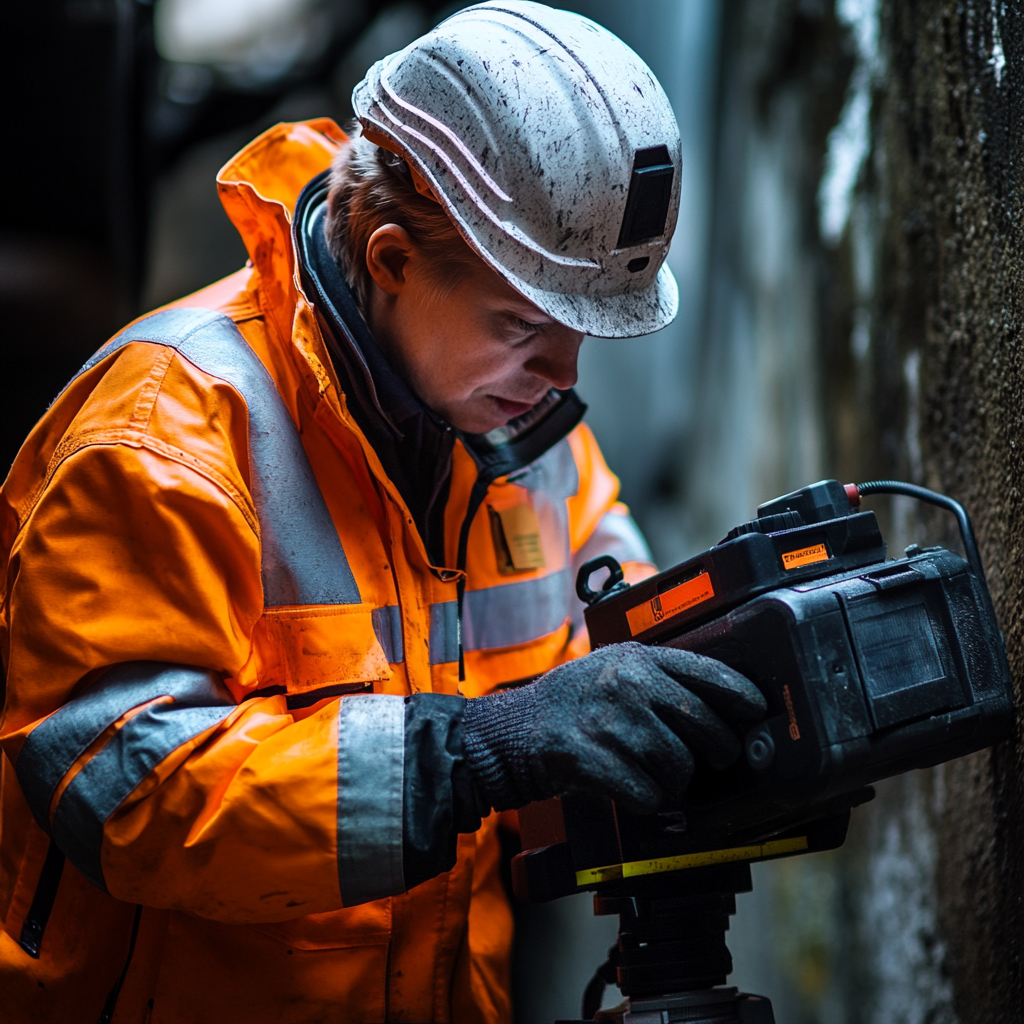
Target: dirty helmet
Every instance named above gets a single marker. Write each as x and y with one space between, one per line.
553 149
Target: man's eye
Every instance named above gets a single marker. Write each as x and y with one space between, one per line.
518 330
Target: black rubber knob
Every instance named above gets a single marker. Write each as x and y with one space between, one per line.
760 748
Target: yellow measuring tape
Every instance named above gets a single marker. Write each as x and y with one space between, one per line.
633 868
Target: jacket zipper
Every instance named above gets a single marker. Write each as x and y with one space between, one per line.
111 1004
476 498
42 902
387 984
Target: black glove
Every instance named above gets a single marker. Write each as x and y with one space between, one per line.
617 723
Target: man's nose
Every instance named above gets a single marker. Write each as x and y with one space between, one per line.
557 361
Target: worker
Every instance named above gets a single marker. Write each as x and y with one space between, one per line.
288 611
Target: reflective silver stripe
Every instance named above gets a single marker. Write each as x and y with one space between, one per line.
371 770
515 613
113 774
444 632
387 624
616 535
554 472
56 743
302 558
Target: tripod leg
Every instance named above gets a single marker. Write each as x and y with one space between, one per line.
594 992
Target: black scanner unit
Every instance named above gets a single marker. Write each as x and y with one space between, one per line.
805 535
870 667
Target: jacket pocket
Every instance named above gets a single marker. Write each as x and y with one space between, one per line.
365 925
311 647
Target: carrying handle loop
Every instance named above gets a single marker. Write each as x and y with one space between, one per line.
616 580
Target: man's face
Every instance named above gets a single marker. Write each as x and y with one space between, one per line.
480 355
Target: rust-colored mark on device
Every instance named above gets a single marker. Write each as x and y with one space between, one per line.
672 602
794 729
804 556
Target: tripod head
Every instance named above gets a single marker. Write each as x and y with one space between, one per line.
671 960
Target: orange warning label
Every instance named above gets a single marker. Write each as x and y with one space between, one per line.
672 602
804 556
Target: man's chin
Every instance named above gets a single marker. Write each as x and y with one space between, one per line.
490 414
482 424
512 410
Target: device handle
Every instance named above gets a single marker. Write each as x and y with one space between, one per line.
932 498
615 577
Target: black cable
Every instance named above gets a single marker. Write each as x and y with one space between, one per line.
605 975
111 1004
939 500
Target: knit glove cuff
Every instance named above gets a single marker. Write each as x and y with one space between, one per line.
496 729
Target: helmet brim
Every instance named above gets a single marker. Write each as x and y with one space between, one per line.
631 315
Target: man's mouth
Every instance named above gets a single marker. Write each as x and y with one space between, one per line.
512 409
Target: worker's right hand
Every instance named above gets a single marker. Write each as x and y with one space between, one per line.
619 722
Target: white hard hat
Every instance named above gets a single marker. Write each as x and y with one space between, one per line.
554 150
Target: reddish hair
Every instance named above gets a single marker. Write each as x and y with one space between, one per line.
371 187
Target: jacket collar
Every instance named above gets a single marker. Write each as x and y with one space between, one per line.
274 191
258 188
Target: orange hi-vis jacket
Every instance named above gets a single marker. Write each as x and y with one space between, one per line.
217 611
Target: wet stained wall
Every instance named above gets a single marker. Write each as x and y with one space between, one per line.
937 388
865 302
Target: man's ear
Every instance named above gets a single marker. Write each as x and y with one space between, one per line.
387 252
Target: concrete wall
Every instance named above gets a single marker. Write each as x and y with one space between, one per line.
865 294
933 393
